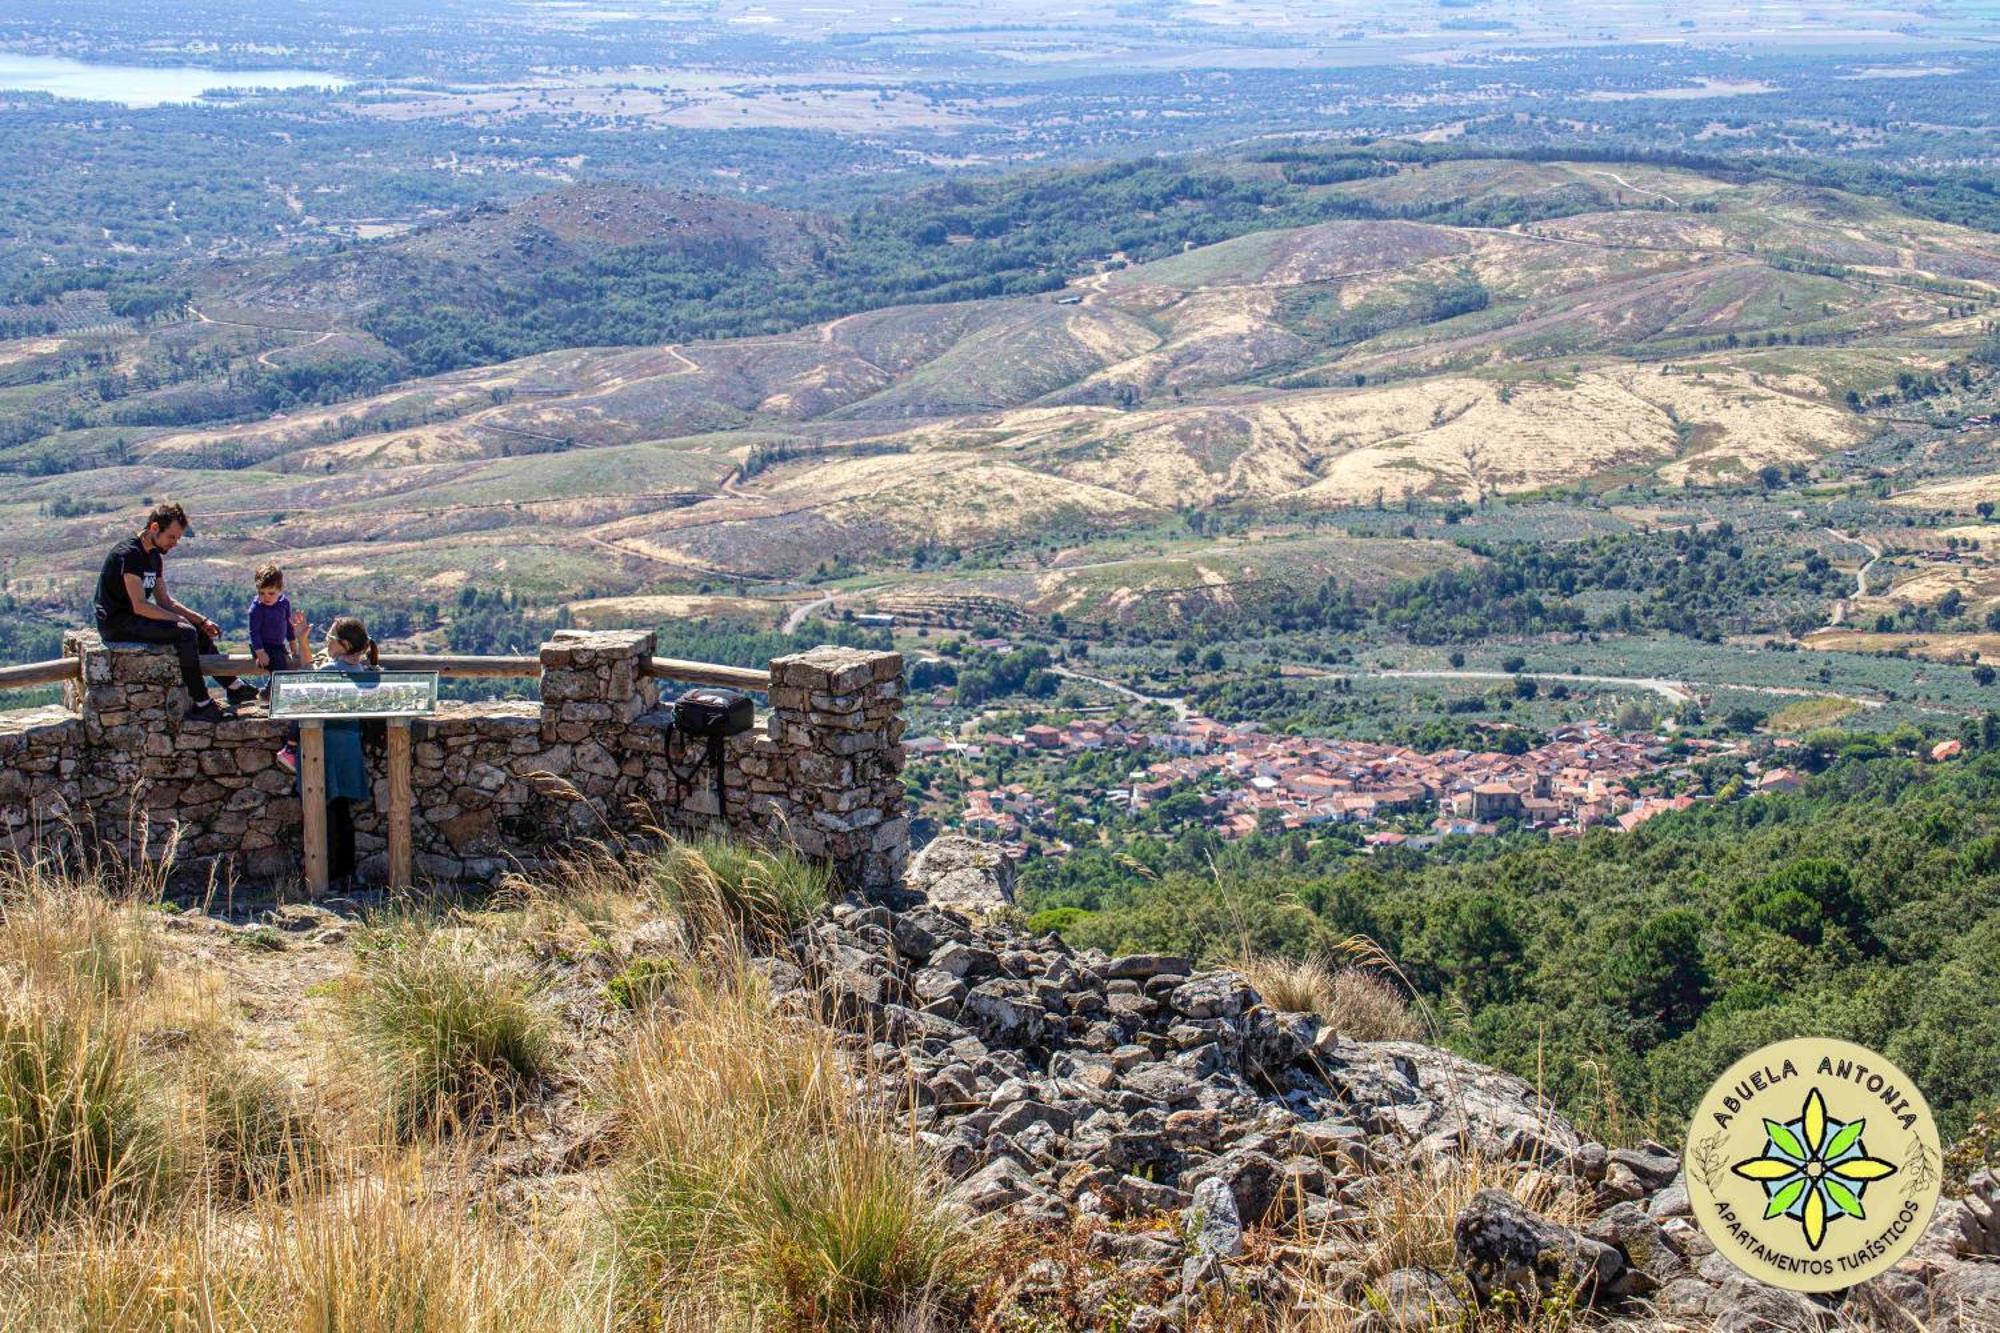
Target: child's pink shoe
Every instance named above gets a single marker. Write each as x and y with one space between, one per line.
288 759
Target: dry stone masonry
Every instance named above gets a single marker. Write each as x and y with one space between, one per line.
494 784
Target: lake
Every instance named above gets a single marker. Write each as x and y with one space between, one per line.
143 85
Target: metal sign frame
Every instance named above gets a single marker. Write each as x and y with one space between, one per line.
411 694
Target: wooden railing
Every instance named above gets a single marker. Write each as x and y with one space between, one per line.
461 668
31 674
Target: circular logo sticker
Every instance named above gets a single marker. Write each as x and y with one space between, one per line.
1813 1164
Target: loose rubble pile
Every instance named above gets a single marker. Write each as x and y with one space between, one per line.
1224 1146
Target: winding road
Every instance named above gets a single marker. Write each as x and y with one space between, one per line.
1839 615
1178 705
264 358
1635 189
1676 692
799 613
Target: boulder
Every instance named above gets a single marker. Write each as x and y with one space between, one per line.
1504 1246
1650 1261
1255 1181
1213 1220
1212 995
963 873
1741 1305
1146 966
1967 1227
1002 1012
1653 1165
999 1184
1965 1297
1449 1104
1411 1300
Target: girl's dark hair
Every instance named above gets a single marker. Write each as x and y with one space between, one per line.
354 636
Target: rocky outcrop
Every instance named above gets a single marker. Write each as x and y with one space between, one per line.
1171 1113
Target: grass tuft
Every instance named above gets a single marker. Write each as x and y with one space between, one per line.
729 890
80 1126
63 931
752 1186
1354 1002
259 1139
446 1030
372 1262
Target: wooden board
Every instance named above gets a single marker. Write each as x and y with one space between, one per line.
312 802
399 804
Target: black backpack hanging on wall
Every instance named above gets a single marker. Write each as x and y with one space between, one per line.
712 715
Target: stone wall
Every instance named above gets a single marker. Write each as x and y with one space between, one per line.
41 760
494 785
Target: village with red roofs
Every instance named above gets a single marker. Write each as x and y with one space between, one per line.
1584 776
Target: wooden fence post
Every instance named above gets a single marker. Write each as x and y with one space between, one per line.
399 803
312 802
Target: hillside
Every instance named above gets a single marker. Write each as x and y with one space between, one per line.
473 252
680 1089
1689 332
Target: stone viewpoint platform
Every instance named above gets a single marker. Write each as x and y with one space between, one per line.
494 784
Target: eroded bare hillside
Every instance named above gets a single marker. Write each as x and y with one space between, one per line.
1689 330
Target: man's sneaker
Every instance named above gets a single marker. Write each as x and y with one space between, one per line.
205 711
288 759
241 693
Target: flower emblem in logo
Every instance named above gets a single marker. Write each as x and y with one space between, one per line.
1814 1170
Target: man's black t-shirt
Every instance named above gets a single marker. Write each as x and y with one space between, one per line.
127 557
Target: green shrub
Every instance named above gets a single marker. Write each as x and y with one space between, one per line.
642 983
1056 919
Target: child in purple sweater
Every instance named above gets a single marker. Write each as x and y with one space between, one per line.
277 641
277 633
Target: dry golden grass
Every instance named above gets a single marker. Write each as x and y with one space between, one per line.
392 1254
1410 1211
1354 1002
155 1173
732 892
191 1185
84 1125
64 928
444 1027
754 1189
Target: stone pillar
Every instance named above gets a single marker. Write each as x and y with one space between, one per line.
131 703
831 780
151 779
593 687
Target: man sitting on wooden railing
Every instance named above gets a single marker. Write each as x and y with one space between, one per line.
134 606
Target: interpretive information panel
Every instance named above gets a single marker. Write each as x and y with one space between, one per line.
341 694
